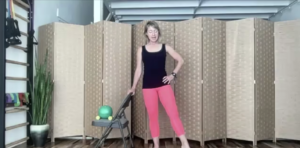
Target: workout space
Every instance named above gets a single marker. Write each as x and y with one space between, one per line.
86 73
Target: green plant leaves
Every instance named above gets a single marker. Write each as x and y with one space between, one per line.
42 92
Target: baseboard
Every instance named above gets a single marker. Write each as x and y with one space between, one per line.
21 145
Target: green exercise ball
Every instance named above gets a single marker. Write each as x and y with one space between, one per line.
105 111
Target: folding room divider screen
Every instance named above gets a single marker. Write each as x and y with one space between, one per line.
225 88
210 108
287 45
200 87
250 80
116 70
91 66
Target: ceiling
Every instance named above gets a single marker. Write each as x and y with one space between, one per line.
134 11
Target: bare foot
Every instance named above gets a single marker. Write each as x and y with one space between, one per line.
184 141
185 147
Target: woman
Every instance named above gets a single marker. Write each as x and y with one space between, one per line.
156 82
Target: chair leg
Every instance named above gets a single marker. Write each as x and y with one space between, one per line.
99 143
121 129
103 138
130 138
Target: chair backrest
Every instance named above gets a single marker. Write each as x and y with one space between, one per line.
126 101
124 105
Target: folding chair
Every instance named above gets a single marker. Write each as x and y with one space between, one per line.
119 121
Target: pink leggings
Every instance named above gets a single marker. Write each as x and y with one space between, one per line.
167 98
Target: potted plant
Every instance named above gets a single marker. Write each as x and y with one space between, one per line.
41 98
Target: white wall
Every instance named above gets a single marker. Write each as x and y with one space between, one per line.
100 11
71 11
287 14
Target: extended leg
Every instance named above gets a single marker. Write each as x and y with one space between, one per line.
167 99
151 103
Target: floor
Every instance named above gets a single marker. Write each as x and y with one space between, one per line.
167 143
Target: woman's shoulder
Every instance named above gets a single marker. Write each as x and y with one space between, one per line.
140 48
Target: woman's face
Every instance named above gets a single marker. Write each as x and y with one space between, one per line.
152 34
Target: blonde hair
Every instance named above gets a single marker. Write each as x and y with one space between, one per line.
151 24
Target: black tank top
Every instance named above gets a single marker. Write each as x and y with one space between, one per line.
154 67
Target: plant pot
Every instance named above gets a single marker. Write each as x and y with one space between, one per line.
39 134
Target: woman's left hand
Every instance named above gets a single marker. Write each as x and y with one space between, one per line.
168 79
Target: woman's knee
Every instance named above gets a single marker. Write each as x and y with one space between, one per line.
152 112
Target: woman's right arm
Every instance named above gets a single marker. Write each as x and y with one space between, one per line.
138 69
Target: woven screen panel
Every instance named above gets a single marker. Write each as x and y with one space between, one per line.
287 72
167 37
264 78
139 115
68 110
116 68
214 79
240 79
188 87
93 69
46 41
